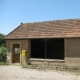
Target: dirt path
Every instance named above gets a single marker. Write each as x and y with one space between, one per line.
12 72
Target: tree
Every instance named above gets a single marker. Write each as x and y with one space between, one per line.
2 48
2 42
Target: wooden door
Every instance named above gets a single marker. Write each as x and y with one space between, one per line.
16 53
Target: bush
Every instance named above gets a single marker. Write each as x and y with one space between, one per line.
2 53
2 63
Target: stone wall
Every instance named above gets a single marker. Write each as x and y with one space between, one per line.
72 51
24 45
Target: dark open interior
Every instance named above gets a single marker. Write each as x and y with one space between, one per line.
37 48
47 48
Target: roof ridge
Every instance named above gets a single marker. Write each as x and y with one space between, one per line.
52 21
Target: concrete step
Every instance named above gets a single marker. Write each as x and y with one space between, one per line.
47 61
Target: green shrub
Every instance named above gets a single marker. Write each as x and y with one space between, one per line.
2 63
2 53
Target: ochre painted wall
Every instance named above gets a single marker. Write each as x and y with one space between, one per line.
24 45
72 51
71 46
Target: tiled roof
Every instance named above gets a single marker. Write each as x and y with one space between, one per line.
47 29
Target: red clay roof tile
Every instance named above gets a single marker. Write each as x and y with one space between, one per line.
47 29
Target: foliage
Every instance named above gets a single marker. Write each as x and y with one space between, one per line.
2 51
2 63
2 54
2 42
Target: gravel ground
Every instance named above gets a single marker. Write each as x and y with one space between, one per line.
12 72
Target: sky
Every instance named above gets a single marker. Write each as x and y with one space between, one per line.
15 12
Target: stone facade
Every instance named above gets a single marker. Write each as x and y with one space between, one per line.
71 50
24 45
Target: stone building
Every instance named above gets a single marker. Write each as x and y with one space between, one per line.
56 41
